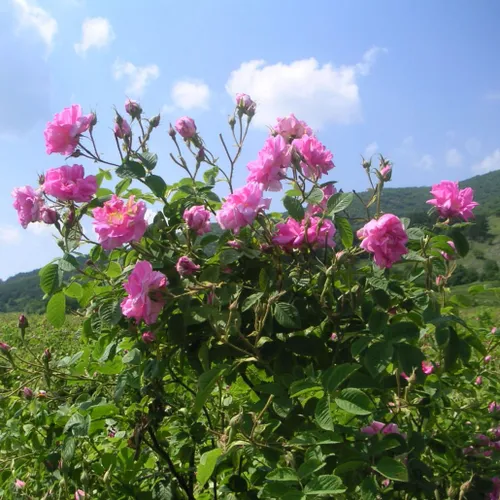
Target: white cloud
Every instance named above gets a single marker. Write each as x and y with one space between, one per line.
453 158
190 95
42 229
319 94
139 77
371 149
31 16
97 32
490 163
407 155
10 235
493 96
473 146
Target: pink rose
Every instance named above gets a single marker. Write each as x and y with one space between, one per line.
133 108
385 238
145 299
427 367
198 219
5 348
482 440
28 204
122 128
185 266
328 191
495 492
28 393
479 380
118 222
245 103
148 337
186 127
234 244
493 330
69 184
79 494
377 427
451 201
403 374
319 233
63 132
316 159
270 167
291 127
19 484
289 234
241 207
334 337
487 359
386 173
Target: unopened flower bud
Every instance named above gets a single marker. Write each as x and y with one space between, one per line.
5 348
76 153
366 164
122 128
479 380
334 337
232 121
440 280
23 322
155 121
487 359
171 131
200 156
93 120
133 108
46 356
28 393
48 215
148 337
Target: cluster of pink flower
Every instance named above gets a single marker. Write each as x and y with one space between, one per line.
380 428
312 231
484 445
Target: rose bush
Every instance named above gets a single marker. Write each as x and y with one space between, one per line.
232 352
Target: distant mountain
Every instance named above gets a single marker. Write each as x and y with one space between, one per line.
21 293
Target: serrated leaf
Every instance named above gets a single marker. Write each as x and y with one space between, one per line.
335 376
74 290
150 160
325 485
294 208
78 425
229 256
345 230
56 310
132 170
315 196
391 469
287 315
68 449
207 464
156 184
323 414
49 278
251 301
339 202
283 474
377 357
354 401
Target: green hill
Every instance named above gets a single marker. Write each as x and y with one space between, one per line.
21 293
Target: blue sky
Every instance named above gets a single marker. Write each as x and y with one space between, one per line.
417 81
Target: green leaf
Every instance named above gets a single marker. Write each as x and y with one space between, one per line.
49 278
339 202
68 449
131 170
315 196
206 383
337 375
229 256
345 230
283 474
56 310
156 184
133 357
122 186
78 425
461 243
354 401
377 357
114 269
149 160
409 357
210 175
378 321
287 315
325 485
74 290
206 468
310 467
323 414
392 469
250 301
68 263
294 208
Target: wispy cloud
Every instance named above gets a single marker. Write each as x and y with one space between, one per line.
453 158
493 96
371 149
322 93
489 163
31 16
10 235
190 94
138 77
97 32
